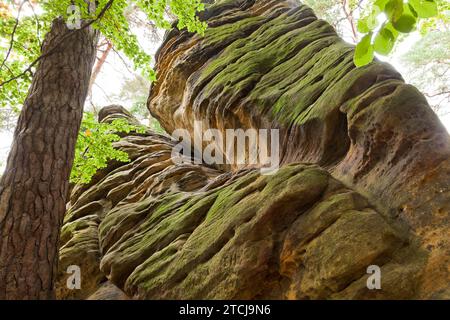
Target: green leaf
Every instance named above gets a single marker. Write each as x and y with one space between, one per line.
368 23
362 26
381 4
390 27
394 9
425 8
405 24
384 42
364 52
95 147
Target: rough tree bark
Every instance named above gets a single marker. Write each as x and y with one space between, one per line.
34 187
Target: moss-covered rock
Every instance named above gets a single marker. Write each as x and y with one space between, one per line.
365 177
288 70
297 234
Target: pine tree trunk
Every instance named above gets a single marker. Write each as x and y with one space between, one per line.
33 190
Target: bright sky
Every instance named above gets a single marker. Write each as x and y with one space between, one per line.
114 73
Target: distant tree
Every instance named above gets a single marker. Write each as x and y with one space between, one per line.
136 90
428 63
341 14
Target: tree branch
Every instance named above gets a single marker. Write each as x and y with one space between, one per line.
350 18
123 61
98 68
64 38
11 44
38 25
437 94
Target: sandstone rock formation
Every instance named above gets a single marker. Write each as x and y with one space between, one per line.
365 177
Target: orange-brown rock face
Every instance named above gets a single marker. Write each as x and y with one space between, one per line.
364 181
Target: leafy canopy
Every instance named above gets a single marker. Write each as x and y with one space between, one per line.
386 20
26 31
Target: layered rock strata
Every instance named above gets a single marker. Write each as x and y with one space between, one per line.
365 176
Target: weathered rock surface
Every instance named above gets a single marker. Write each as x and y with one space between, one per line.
365 177
273 64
